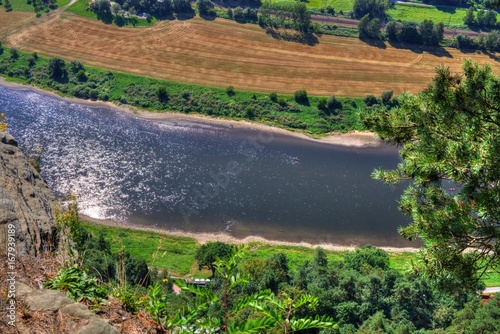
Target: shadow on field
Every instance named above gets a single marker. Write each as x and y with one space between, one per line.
210 16
433 50
187 15
293 36
492 56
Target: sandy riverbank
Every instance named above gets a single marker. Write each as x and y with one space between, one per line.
223 237
351 139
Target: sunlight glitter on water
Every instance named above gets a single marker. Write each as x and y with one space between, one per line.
139 171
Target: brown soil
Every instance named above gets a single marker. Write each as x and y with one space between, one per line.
10 19
222 53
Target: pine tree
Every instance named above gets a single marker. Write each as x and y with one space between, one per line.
449 136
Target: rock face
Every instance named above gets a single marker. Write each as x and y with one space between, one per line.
75 317
25 203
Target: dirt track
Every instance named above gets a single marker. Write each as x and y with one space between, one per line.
222 53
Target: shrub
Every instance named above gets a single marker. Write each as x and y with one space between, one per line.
81 76
322 104
301 96
273 97
56 67
14 53
333 104
370 100
282 101
162 94
230 90
368 255
186 95
76 66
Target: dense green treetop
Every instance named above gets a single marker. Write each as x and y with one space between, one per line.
210 252
449 142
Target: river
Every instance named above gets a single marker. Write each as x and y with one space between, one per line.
192 176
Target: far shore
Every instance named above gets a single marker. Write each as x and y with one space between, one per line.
359 139
223 237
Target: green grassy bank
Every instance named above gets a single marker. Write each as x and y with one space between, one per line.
176 254
315 116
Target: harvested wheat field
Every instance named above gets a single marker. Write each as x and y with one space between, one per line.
222 53
10 19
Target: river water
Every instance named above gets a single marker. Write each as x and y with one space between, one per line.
191 176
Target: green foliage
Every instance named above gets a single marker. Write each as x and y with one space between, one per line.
367 256
273 97
76 66
370 100
77 285
369 27
230 90
272 312
449 138
210 252
81 76
205 7
373 8
426 33
157 304
301 96
57 68
162 94
14 53
8 6
291 15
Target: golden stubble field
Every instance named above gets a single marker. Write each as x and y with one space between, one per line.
222 53
10 19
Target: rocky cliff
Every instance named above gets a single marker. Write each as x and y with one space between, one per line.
26 203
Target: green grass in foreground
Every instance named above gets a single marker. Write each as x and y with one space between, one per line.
415 13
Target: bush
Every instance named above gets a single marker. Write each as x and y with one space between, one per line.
56 67
273 97
76 66
322 104
370 100
230 90
367 256
333 104
301 96
81 76
162 94
14 53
